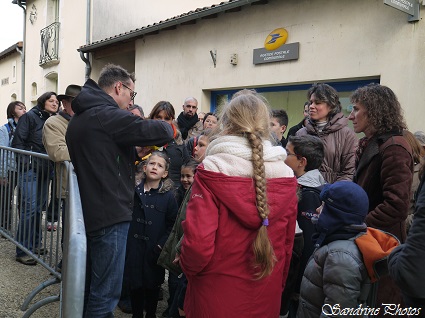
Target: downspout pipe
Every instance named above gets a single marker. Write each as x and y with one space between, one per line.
22 52
88 65
85 56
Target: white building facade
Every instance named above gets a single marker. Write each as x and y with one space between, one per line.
206 50
344 43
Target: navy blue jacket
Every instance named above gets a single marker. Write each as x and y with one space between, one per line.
153 218
28 136
29 131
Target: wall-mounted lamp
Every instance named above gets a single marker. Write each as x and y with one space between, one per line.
214 57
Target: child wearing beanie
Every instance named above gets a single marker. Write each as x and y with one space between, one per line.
348 254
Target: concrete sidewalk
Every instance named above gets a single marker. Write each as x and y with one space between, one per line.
17 281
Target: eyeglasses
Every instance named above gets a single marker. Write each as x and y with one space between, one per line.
132 93
292 154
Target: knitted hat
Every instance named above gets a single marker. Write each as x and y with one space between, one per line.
345 203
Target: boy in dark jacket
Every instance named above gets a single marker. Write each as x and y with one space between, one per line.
304 156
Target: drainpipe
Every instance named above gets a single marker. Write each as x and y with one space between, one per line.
85 57
22 52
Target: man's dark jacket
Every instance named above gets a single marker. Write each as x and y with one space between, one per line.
101 139
407 262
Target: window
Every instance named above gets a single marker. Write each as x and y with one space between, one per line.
291 98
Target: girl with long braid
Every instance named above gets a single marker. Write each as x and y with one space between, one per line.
240 222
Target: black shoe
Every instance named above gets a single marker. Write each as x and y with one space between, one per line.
125 306
26 260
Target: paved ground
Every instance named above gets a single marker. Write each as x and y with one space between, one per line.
17 281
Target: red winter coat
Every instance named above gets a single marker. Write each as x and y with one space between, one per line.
217 257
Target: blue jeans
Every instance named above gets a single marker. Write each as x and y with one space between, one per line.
105 269
33 189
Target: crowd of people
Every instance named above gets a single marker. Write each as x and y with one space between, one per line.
247 223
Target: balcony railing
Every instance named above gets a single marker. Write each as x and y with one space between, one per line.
49 52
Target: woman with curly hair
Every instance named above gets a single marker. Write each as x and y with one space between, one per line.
327 122
384 166
240 221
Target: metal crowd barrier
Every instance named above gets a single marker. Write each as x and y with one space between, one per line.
30 195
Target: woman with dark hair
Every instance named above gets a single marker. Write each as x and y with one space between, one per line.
384 166
327 121
35 178
14 111
175 149
210 121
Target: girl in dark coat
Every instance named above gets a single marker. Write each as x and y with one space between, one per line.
154 213
179 155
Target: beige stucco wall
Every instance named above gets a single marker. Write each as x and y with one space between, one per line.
11 91
338 41
70 69
132 14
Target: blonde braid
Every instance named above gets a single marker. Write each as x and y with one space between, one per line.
264 255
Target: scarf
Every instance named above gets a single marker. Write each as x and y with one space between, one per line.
321 238
232 155
186 123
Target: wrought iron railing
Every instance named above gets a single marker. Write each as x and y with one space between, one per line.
49 51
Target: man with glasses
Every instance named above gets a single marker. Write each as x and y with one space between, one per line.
188 122
101 138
